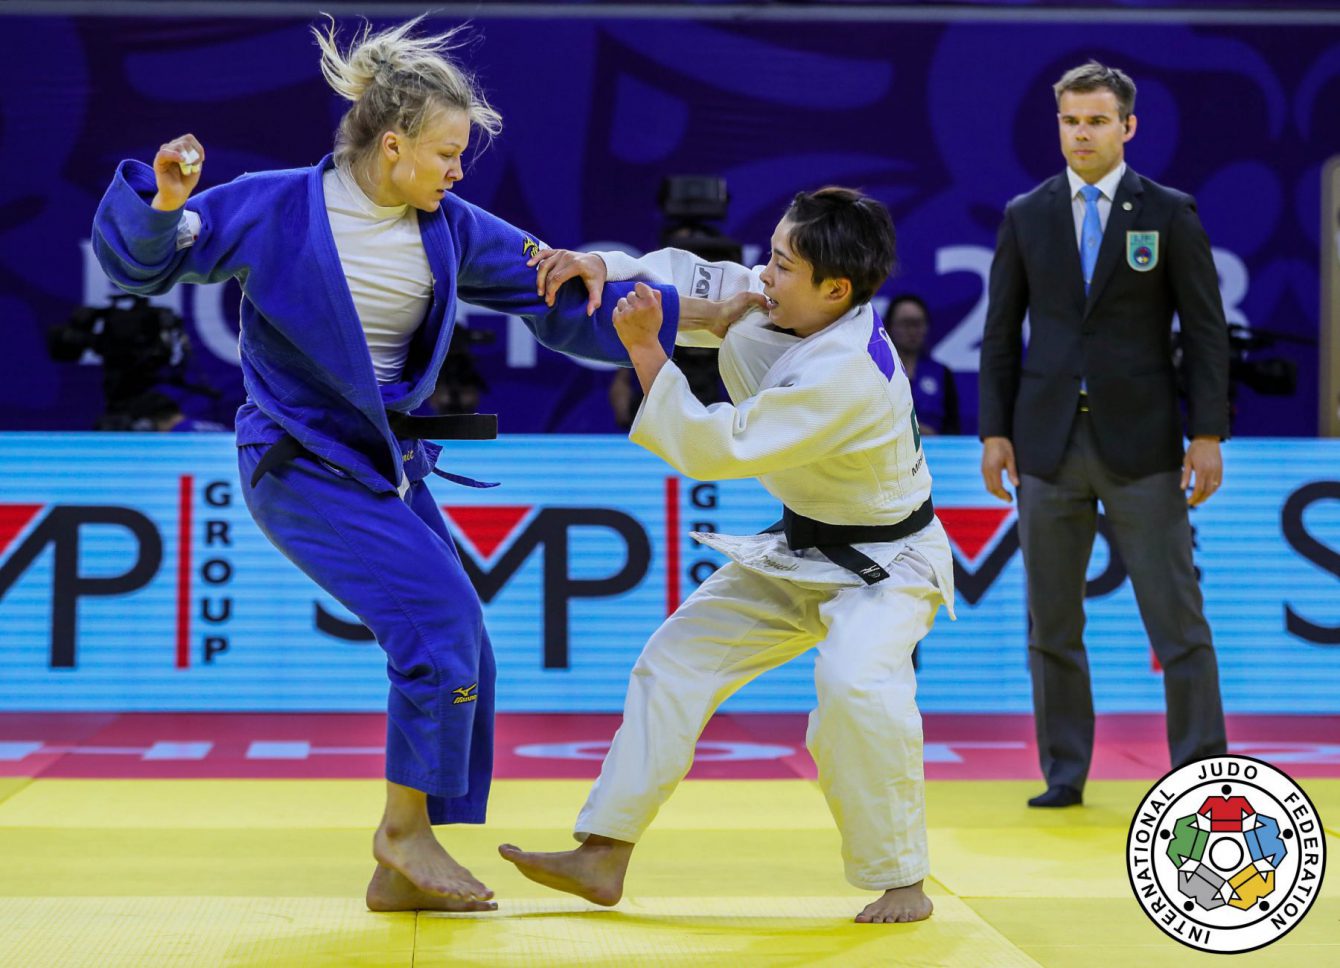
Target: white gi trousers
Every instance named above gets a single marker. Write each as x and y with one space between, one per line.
864 734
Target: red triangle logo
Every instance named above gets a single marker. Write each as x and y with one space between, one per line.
486 526
13 519
972 529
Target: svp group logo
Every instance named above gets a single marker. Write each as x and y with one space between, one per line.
27 530
102 551
111 550
1226 854
496 541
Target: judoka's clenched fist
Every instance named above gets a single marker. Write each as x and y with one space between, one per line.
177 171
637 317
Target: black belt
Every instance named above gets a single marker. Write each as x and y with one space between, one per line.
451 426
835 540
448 426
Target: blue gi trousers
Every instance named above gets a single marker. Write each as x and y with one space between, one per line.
392 563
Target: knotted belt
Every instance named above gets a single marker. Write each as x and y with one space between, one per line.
450 426
835 541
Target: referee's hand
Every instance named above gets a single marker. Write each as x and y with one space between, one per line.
998 456
1204 465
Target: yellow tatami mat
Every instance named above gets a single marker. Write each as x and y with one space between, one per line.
799 931
10 785
200 932
204 873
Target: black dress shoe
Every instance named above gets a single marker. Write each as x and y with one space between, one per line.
1057 796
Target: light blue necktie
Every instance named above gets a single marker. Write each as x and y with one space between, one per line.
1091 233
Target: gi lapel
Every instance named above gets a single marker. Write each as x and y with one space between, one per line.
440 319
361 380
358 377
1061 225
1125 209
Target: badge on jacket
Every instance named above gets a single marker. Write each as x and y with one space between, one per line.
1142 250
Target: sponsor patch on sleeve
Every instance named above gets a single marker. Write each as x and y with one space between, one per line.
707 281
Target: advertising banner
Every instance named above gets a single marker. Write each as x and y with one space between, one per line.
132 578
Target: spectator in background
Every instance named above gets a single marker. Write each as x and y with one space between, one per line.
933 393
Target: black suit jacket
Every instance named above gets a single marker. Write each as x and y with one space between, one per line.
1118 339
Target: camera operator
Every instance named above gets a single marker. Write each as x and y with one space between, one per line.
689 204
1274 376
142 348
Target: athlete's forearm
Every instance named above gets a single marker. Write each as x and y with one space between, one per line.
695 313
648 360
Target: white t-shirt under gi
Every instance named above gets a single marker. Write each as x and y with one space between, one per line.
381 253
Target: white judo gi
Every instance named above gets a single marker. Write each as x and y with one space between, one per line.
826 425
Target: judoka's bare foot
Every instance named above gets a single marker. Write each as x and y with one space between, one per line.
594 871
404 842
897 906
389 890
417 856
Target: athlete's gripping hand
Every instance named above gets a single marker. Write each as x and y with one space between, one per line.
730 310
177 171
553 267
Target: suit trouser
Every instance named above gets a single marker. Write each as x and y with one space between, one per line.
392 563
1148 518
864 734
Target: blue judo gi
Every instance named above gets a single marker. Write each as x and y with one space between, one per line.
337 512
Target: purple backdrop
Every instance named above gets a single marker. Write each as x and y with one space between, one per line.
942 121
